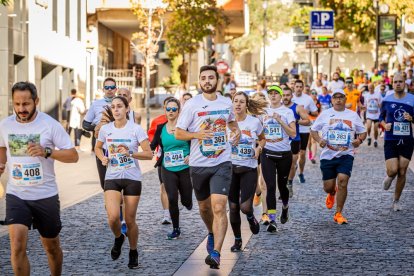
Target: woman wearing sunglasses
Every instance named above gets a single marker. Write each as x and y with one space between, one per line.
175 171
279 124
244 159
122 138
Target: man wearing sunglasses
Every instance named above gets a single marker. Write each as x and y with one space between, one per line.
94 115
338 125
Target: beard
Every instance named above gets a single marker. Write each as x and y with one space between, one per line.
209 91
28 118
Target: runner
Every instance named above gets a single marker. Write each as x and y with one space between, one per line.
122 138
173 161
30 141
338 126
353 95
93 117
244 158
126 93
312 145
279 124
325 99
301 118
372 105
396 118
310 107
204 121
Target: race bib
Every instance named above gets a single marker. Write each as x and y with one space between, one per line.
325 106
27 174
173 158
401 129
117 160
339 137
372 107
273 132
243 152
218 142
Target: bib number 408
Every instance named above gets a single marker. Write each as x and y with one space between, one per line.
32 172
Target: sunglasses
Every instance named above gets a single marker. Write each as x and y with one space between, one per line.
173 109
109 87
314 93
348 82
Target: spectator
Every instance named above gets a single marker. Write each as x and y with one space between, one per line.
75 122
285 76
66 109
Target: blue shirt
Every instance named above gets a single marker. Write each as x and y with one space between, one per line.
325 101
392 111
297 118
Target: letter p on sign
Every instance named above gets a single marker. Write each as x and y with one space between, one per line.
324 18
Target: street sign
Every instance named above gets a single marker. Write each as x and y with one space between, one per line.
315 44
222 67
322 24
387 29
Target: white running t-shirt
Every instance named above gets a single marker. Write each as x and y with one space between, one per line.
338 130
199 113
308 104
276 137
32 178
372 103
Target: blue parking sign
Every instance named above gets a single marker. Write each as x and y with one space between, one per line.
322 24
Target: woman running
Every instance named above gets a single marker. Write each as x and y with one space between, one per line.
312 145
175 172
244 159
279 124
122 138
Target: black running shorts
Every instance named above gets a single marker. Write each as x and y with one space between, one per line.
43 214
304 139
211 180
130 187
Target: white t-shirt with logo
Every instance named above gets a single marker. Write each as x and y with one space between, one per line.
336 85
338 130
372 103
32 178
199 113
308 104
129 137
94 113
243 153
276 137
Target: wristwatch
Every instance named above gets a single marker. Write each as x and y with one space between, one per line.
130 153
48 152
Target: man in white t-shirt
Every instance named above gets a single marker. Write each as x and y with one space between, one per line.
338 126
336 83
372 106
30 141
204 120
309 105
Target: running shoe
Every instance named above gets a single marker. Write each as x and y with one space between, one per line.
254 225
301 178
124 228
265 219
237 246
213 260
387 182
210 243
116 249
369 141
338 218
133 259
290 188
396 206
256 200
330 199
272 228
375 144
189 207
175 234
284 217
313 161
166 220
310 156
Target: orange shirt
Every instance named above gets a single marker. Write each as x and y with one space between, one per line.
352 97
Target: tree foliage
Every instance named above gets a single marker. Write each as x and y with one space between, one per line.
354 17
190 21
4 2
277 20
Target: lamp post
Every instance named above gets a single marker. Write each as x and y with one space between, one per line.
376 7
264 36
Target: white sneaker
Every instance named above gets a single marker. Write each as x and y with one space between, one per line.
166 220
396 206
387 182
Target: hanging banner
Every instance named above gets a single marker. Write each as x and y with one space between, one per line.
387 29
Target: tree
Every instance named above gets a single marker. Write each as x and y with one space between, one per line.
354 18
4 2
277 20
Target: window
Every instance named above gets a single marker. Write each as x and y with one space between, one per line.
67 17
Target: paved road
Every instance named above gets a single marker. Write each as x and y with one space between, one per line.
376 241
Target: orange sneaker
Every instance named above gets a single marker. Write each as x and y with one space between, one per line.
330 199
256 200
338 218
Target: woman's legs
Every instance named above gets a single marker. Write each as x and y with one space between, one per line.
171 182
112 202
131 206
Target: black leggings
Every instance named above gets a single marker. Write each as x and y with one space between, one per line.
276 163
101 168
78 135
242 189
174 183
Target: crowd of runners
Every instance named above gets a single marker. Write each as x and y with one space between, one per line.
234 151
